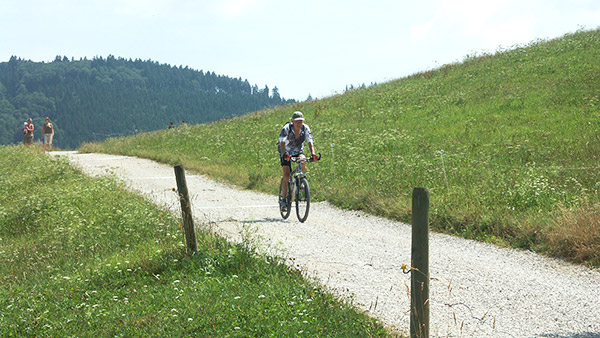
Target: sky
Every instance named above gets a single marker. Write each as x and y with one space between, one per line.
308 47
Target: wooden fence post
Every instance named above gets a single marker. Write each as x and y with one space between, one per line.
419 290
186 210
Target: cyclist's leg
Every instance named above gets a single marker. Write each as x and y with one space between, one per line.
303 163
285 179
287 167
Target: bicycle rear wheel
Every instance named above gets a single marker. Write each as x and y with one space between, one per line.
302 199
285 214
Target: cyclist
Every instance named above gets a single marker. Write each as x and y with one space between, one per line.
291 143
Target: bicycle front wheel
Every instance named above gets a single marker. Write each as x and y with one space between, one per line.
302 199
285 214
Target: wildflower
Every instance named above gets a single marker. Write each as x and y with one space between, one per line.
405 268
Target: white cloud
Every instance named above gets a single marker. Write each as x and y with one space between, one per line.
591 19
141 8
515 31
420 32
493 22
231 9
472 16
464 17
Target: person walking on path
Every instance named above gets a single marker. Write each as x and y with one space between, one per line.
28 132
291 143
48 134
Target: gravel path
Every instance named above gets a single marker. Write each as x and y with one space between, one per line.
476 289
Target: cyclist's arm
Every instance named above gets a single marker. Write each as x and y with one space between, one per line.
311 146
282 147
309 140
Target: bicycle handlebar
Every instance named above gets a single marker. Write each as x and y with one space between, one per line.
304 159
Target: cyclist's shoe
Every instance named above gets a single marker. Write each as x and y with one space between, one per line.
283 205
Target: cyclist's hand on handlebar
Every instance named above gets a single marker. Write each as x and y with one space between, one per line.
287 156
315 157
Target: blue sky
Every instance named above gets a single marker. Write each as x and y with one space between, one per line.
304 47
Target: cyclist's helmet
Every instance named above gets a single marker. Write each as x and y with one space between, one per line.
297 116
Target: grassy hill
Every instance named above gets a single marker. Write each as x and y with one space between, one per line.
84 257
507 144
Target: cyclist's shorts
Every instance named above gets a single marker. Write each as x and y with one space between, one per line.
288 163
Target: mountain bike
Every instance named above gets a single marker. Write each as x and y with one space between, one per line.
298 190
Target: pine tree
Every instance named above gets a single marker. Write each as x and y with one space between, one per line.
93 99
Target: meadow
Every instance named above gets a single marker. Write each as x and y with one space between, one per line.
84 257
506 142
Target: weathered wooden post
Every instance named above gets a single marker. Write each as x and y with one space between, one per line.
186 210
419 290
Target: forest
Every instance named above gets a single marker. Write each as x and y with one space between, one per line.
91 100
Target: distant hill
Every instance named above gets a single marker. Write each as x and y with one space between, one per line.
90 100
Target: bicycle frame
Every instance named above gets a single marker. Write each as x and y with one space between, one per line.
298 189
295 175
297 172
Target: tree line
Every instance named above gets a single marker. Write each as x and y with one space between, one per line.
90 100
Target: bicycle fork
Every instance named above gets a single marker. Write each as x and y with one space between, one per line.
295 184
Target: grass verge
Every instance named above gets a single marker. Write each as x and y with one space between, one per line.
83 257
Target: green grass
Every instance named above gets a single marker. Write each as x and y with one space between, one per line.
84 257
507 144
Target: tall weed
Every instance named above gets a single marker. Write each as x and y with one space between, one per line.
576 234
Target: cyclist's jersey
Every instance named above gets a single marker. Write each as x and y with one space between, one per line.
294 146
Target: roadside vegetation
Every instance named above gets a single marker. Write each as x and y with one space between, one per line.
84 257
507 144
